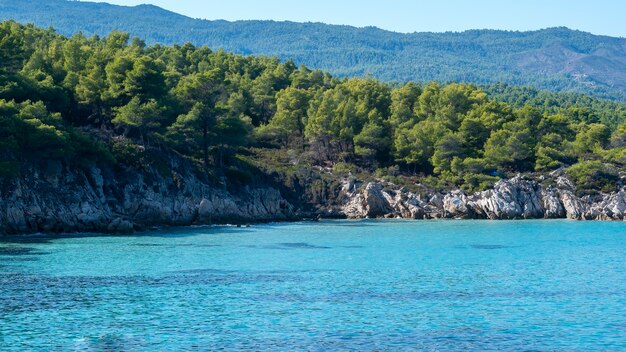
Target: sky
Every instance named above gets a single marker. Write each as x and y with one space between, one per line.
606 17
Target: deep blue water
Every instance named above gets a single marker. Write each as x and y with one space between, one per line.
362 285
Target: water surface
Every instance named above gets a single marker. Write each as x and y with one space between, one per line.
340 285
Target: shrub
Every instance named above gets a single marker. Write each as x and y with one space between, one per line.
478 182
593 176
128 153
343 168
238 176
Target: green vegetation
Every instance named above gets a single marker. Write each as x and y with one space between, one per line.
593 176
116 100
578 107
556 59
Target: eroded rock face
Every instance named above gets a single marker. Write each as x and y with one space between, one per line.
455 204
512 199
516 198
57 198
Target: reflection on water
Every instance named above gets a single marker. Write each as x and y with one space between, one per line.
18 251
347 285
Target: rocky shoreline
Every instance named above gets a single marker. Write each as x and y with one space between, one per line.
516 198
57 198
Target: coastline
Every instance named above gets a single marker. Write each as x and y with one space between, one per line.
173 230
61 199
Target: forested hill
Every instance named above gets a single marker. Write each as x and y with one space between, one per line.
555 59
119 102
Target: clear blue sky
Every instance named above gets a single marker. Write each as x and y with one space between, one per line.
595 16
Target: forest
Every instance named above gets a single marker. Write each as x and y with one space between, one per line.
118 101
555 59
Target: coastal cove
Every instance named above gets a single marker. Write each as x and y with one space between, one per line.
170 183
109 134
535 284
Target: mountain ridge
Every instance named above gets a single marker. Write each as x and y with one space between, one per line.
556 58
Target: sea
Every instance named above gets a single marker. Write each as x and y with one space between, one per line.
368 285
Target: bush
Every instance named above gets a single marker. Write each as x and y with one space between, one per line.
89 149
593 176
128 153
343 168
478 182
615 156
391 171
238 176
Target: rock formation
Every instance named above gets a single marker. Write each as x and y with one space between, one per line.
57 198
517 198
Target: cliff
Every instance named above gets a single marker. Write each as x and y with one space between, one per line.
57 198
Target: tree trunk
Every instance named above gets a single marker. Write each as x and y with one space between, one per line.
221 156
205 144
301 131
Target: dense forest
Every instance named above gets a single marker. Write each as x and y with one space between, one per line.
556 59
116 100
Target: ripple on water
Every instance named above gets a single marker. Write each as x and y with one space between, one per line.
369 285
288 246
490 246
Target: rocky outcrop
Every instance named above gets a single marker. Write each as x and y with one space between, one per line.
372 202
57 198
517 198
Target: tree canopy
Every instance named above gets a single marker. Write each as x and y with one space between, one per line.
93 98
570 60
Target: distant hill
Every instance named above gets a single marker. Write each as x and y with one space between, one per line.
557 59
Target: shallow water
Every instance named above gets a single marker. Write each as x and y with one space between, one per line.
340 285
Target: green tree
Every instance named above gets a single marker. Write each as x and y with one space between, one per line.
90 87
510 150
474 134
446 149
404 102
12 51
145 118
591 177
200 94
416 146
145 79
591 139
231 133
372 144
618 139
553 152
291 113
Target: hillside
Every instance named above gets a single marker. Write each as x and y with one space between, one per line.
109 134
557 59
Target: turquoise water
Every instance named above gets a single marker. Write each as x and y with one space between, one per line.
363 285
